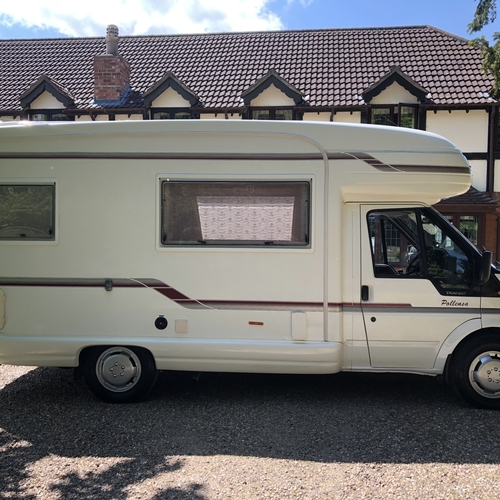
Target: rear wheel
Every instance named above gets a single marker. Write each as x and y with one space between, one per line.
119 374
476 372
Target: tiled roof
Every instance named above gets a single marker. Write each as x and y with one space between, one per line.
471 197
330 67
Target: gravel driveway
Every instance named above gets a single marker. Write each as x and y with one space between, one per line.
348 436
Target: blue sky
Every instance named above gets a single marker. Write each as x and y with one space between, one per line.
53 18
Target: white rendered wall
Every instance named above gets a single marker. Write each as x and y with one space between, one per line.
478 174
496 186
170 99
272 96
354 117
126 117
86 118
317 117
394 94
46 101
339 117
468 131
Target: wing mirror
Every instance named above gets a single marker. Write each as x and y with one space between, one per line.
485 269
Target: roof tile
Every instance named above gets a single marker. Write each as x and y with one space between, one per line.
332 66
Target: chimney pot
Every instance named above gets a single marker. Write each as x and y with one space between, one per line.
112 40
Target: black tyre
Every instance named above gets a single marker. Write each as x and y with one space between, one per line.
475 371
119 374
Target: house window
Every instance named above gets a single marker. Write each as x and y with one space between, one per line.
273 114
401 115
171 114
49 115
468 225
235 213
27 212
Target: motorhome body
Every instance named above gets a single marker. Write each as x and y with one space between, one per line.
132 247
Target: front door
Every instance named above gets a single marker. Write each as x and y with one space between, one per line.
417 284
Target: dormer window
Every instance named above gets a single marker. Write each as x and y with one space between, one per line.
395 87
399 115
46 100
170 99
272 113
272 98
49 115
171 114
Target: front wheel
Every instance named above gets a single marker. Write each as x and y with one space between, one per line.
119 374
476 372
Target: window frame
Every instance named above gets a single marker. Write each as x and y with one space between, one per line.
450 231
481 223
395 118
296 116
171 112
50 114
239 244
55 211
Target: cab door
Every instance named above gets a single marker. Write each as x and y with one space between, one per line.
417 284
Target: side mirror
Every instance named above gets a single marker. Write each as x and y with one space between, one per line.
485 269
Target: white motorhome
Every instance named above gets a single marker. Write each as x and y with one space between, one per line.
277 247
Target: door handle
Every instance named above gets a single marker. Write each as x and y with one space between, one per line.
365 293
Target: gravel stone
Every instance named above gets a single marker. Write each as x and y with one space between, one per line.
238 436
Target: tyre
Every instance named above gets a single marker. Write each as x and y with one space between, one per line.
119 374
475 371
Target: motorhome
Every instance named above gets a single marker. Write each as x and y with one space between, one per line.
240 246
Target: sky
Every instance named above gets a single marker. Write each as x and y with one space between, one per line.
54 18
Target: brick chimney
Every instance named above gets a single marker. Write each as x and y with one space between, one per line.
111 71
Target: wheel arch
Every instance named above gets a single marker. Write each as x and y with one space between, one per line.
466 330
85 352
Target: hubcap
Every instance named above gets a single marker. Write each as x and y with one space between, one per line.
118 369
484 374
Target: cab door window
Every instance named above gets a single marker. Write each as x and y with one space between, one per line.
417 243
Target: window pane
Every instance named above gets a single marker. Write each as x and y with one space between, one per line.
182 115
394 237
235 213
439 255
408 117
382 116
469 225
283 114
59 117
447 261
39 117
260 114
26 212
161 116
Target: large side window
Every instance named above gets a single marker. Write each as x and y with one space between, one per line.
27 212
416 243
235 213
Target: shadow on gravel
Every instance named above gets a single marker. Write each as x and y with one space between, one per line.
341 418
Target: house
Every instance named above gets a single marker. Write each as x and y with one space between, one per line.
415 76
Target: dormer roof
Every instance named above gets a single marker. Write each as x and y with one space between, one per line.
169 80
46 84
272 78
395 75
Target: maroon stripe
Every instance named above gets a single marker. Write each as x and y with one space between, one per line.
162 156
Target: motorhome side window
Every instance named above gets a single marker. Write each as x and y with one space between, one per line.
27 212
235 213
417 244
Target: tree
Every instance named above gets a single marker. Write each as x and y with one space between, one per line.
486 13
